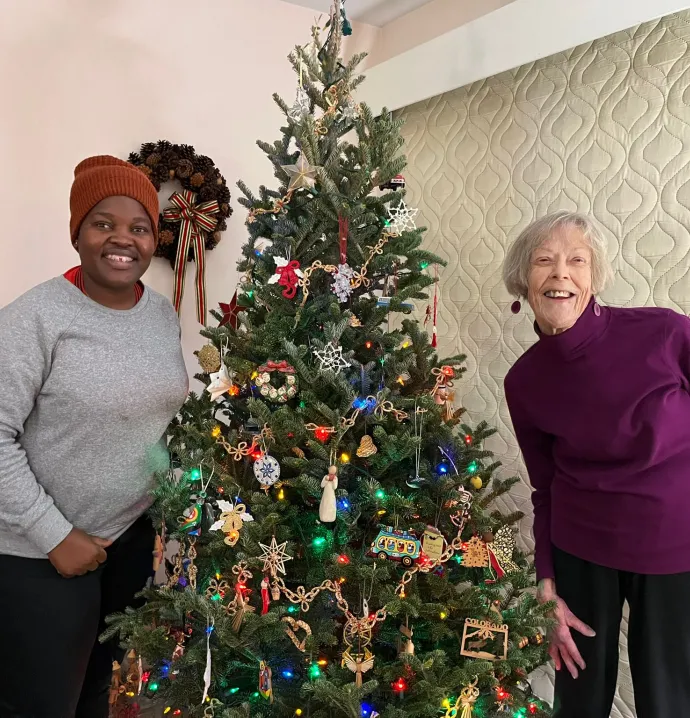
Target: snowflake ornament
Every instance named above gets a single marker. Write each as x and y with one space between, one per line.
342 282
331 358
302 106
351 110
402 218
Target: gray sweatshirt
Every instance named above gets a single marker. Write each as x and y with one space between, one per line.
86 394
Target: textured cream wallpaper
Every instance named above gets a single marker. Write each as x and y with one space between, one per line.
603 128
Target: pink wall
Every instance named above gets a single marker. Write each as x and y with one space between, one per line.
80 77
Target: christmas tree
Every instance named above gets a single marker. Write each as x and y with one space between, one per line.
339 554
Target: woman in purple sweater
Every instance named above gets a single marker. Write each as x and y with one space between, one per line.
601 410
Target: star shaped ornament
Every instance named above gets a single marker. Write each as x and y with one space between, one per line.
331 358
402 218
274 556
230 312
302 174
221 382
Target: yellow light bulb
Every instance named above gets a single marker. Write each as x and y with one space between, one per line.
443 615
381 512
406 344
402 593
255 374
345 458
445 704
167 710
401 380
298 712
322 662
216 432
281 495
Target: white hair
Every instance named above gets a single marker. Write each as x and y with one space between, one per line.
518 261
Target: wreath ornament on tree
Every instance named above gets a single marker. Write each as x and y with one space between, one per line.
197 215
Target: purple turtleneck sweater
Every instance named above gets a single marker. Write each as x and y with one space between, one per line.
602 416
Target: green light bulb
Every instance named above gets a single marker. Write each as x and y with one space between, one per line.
424 265
234 690
380 494
314 671
472 468
153 687
319 541
196 474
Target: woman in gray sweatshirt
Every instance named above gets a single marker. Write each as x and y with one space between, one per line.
91 374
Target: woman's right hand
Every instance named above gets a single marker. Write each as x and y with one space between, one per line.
78 554
562 648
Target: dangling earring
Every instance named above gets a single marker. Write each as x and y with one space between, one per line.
515 307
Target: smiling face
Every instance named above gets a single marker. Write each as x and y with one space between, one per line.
115 244
560 279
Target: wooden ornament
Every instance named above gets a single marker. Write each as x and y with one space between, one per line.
476 634
466 700
432 543
523 642
476 554
367 447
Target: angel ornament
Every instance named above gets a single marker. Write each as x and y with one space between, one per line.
327 507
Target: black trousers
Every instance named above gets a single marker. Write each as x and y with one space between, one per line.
51 663
658 639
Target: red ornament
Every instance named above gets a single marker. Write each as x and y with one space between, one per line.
289 278
399 686
322 433
230 312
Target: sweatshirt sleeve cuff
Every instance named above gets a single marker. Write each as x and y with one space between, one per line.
50 530
544 565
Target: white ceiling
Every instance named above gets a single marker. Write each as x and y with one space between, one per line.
372 12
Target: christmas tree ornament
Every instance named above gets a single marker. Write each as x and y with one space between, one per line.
266 471
500 552
406 647
354 322
302 106
287 275
209 359
342 282
230 312
366 447
232 518
523 642
239 607
265 599
477 634
475 554
207 670
414 482
331 358
292 626
190 521
265 681
398 182
357 637
434 333
221 382
350 110
274 557
433 544
466 700
302 174
396 545
287 386
327 507
401 218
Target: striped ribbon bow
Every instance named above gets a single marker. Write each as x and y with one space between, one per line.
195 220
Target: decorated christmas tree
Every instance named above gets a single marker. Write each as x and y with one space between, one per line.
340 553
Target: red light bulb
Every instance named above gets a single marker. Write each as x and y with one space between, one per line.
322 433
343 559
502 694
533 708
399 686
468 439
368 345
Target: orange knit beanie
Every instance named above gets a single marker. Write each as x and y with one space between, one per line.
99 177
